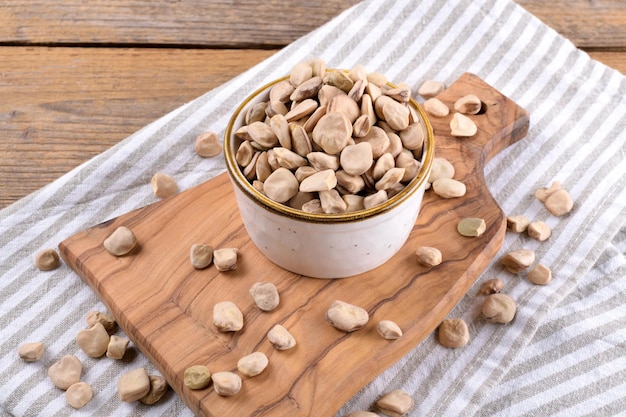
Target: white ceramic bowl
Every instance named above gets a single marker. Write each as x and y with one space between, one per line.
325 245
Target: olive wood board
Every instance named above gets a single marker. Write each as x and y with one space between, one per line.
165 305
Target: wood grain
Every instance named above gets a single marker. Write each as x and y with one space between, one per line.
165 305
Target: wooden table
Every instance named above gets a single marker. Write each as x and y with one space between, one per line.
77 77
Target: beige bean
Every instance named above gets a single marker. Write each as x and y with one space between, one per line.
32 351
345 105
265 295
281 185
400 93
281 338
158 388
65 372
539 230
436 107
362 414
300 140
244 154
93 341
469 104
107 320
349 183
376 78
413 137
449 188
288 159
471 227
252 364
356 93
559 203
208 145
333 132
200 255
453 333
353 202
255 113
462 126
262 134
518 260
492 286
262 167
300 199
517 224
378 140
395 144
391 179
300 73
78 395
314 206
441 168
197 377
498 308
542 193
540 275
225 259
395 114
280 126
375 199
304 172
396 403
320 181
47 260
326 94
318 67
226 384
339 79
428 256
314 118
331 202
117 347
382 165
227 317
301 109
121 242
431 88
346 317
356 159
163 185
242 133
281 91
322 161
361 126
307 89
389 329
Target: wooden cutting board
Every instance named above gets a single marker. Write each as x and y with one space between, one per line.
165 306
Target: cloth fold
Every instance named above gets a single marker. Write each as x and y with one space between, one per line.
564 352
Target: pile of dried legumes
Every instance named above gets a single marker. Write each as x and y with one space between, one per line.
331 141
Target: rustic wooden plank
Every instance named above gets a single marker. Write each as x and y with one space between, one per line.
62 106
164 22
588 24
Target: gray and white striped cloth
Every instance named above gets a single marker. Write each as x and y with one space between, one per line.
564 354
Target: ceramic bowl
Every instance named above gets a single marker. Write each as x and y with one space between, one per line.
325 245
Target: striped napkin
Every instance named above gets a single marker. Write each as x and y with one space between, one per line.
564 352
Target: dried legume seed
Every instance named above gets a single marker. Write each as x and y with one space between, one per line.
388 329
498 308
559 203
540 275
431 88
428 256
517 224
200 255
453 333
226 383
362 414
436 107
395 403
518 260
469 104
225 259
441 168
320 181
332 202
471 227
492 286
197 377
107 320
93 341
252 364
78 395
265 295
65 372
373 200
163 185
158 388
539 230
346 317
117 347
207 144
121 242
227 317
281 338
449 188
357 159
47 260
462 126
542 193
31 352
